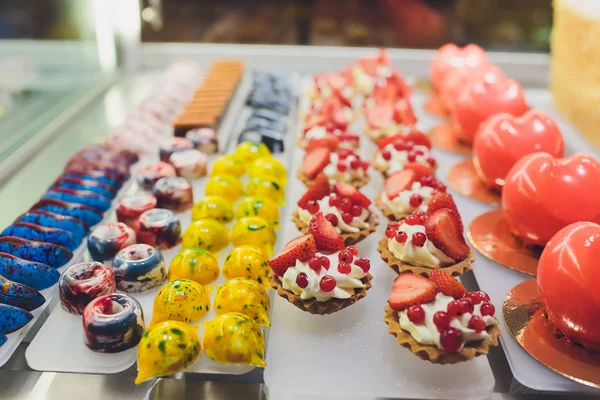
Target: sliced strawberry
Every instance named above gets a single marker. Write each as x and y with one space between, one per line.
384 94
335 80
327 237
420 170
341 118
403 112
447 284
315 160
440 201
381 143
330 104
318 189
330 141
399 182
445 230
301 248
314 120
379 116
419 137
409 290
403 87
345 101
345 190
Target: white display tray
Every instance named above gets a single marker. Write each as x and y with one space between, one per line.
59 345
350 352
495 279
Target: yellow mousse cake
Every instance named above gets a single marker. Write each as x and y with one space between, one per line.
575 67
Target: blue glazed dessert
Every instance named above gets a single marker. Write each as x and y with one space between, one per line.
107 240
138 268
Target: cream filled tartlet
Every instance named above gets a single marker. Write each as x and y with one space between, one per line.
422 243
437 320
347 209
316 273
342 166
397 151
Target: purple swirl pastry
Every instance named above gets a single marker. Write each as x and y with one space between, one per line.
159 228
138 268
204 139
173 145
133 205
113 323
149 175
174 193
190 164
108 239
81 283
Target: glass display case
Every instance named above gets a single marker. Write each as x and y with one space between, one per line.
72 73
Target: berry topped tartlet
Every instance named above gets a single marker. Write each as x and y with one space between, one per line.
408 191
328 136
343 166
397 151
437 320
422 243
344 206
317 274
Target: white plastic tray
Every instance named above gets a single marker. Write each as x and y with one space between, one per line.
495 279
350 353
59 346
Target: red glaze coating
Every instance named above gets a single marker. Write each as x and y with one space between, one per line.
482 99
449 57
503 140
567 277
543 195
459 78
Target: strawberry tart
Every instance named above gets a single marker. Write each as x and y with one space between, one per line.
409 191
388 110
422 243
396 152
317 274
328 136
334 111
437 320
344 206
343 166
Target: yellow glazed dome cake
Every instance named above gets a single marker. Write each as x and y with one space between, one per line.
575 76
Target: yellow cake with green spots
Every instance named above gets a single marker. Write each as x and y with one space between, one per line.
195 264
259 206
245 296
254 231
206 234
181 300
247 262
213 207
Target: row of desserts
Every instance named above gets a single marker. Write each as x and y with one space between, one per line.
549 204
424 237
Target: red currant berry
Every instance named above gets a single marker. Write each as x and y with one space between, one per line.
401 237
347 217
451 339
409 144
441 319
342 167
355 164
421 217
345 205
411 156
390 233
419 152
353 250
487 309
412 219
334 201
467 305
325 263
356 211
474 296
394 225
344 153
441 187
415 314
302 280
431 161
428 181
344 268
364 165
483 295
399 145
455 308
327 283
314 263
345 256
418 239
415 200
364 264
476 323
312 207
332 218
386 155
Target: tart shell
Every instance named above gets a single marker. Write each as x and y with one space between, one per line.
320 307
401 267
387 211
350 238
432 353
357 183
